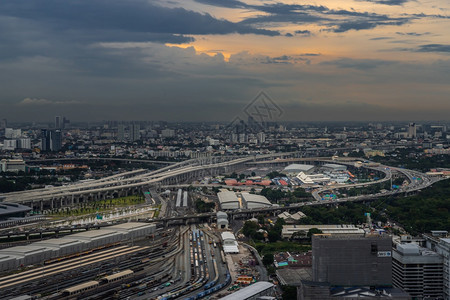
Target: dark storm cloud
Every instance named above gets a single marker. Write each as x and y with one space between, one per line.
222 3
380 38
136 17
365 24
387 2
358 64
303 32
318 14
413 33
434 48
294 18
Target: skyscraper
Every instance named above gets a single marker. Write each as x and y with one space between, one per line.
418 271
121 132
51 140
58 122
412 130
134 132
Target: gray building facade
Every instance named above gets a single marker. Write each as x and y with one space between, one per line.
343 260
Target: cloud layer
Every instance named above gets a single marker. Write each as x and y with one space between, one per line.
108 59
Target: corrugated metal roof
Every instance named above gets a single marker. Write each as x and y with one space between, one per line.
249 291
11 208
88 284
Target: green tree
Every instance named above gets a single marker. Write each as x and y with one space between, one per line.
314 231
289 292
268 259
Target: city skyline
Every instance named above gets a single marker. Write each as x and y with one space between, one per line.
207 60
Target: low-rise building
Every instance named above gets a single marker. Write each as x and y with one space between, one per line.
229 242
255 201
228 200
12 165
288 218
289 230
255 291
222 220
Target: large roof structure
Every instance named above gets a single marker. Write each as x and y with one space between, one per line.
12 209
250 291
255 201
297 168
228 200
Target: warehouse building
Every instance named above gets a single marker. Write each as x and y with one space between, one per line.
258 290
222 220
132 229
12 210
229 242
294 169
62 247
228 200
97 238
38 252
335 167
289 230
255 201
28 255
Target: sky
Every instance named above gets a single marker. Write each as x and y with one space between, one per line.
208 60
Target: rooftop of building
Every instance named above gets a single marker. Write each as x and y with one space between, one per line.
249 291
130 225
228 235
294 277
413 249
298 167
255 198
227 196
12 208
368 292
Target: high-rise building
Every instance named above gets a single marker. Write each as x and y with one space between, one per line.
352 260
64 122
24 143
11 133
165 133
439 242
261 136
418 271
51 140
121 132
3 124
412 130
9 144
58 122
135 134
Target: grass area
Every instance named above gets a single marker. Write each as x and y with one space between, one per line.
279 246
99 206
156 214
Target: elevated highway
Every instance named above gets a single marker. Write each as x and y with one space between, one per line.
129 182
158 162
133 182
